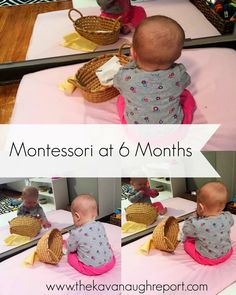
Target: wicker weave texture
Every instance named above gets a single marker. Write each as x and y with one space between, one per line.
49 247
165 235
141 213
88 83
100 30
25 226
223 26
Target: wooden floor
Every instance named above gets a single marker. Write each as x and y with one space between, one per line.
16 26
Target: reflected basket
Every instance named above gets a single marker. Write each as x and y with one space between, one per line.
141 213
25 226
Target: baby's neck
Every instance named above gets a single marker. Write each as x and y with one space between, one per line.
154 68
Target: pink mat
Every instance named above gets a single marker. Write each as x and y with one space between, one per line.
164 268
212 70
46 43
16 279
58 218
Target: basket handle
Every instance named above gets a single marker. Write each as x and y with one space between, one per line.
69 14
73 82
116 22
122 46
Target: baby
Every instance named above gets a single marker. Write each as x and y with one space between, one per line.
131 16
207 235
152 83
30 206
90 251
139 192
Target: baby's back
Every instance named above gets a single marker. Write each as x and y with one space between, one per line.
152 97
93 245
213 235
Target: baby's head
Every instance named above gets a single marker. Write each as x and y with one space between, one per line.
30 196
83 209
211 199
138 183
157 43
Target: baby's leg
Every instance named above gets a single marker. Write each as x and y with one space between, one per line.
73 260
160 208
188 105
189 247
121 108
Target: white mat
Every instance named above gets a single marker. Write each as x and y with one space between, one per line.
50 27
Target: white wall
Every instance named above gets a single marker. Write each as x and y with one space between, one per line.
107 192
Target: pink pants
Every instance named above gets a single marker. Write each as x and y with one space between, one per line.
135 15
189 247
186 100
158 206
72 259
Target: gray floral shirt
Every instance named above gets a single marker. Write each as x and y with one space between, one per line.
36 211
211 234
152 97
91 244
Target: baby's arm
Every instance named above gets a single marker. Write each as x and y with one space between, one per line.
188 229
45 223
117 80
185 79
72 242
20 211
135 197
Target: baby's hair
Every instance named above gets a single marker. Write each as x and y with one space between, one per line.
30 192
158 40
213 193
125 180
136 179
84 204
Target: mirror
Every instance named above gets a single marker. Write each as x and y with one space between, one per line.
162 192
54 196
42 34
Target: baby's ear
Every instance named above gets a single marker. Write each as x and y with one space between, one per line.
133 53
77 215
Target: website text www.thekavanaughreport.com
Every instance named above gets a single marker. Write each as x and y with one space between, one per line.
140 288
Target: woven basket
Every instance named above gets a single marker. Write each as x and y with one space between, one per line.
88 83
165 235
141 213
223 26
25 226
49 247
100 30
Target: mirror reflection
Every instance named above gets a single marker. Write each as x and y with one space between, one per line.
30 207
49 32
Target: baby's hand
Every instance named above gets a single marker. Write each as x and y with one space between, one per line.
46 224
153 193
126 29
